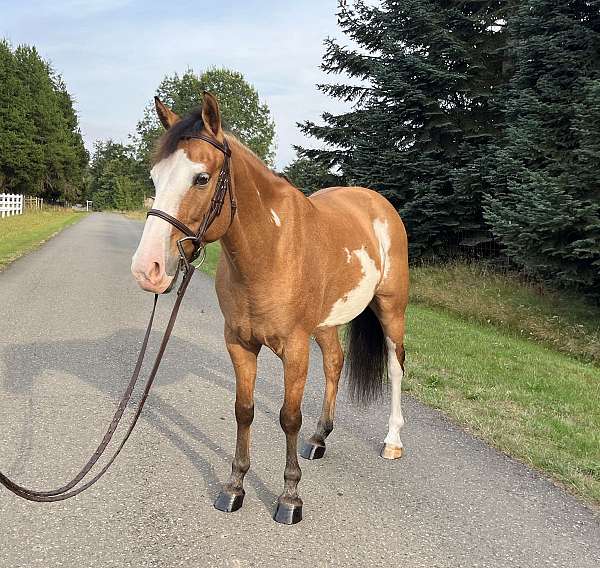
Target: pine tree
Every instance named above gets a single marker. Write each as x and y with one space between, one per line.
425 111
546 212
41 149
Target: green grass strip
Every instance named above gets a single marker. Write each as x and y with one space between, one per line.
21 234
526 399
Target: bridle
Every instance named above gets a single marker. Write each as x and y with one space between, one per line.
216 205
197 239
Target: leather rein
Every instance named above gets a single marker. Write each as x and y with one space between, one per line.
73 488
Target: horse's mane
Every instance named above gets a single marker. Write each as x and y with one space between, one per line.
190 125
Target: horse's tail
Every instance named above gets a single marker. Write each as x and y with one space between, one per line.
366 356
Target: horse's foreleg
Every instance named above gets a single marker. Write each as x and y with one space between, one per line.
243 358
333 361
295 367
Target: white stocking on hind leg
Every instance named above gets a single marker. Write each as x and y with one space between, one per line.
392 448
391 317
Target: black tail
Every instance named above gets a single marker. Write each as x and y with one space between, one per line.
366 357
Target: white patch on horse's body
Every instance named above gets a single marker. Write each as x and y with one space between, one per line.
348 255
172 178
382 233
355 301
276 218
395 375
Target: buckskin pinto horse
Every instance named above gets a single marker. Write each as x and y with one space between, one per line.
291 267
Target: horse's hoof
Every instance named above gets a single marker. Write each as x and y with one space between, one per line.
288 513
229 502
312 451
391 452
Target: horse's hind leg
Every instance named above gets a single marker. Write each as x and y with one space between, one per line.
333 361
391 316
243 358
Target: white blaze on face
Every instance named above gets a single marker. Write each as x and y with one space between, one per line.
172 178
355 301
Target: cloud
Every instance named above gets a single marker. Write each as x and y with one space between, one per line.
113 55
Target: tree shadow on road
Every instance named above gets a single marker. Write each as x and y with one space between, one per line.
105 364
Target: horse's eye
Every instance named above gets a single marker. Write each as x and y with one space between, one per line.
201 179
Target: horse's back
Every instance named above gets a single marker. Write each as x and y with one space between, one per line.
355 203
362 212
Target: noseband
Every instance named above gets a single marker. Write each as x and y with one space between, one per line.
216 205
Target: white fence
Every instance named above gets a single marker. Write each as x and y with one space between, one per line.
10 204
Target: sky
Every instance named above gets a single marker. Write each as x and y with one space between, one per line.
113 54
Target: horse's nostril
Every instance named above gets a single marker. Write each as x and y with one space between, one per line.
154 272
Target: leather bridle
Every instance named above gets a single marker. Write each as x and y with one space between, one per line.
197 239
216 205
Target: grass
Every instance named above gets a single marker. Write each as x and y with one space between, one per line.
561 320
21 234
213 252
136 214
528 400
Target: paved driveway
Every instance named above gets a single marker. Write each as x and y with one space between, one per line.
71 321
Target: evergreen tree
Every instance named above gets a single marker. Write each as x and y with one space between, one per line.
425 111
67 157
41 150
21 158
310 176
546 212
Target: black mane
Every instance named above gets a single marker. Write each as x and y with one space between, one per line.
190 125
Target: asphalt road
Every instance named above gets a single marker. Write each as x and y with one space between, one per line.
71 322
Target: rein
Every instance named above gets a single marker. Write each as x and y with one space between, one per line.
216 205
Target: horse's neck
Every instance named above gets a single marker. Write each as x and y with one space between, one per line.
261 196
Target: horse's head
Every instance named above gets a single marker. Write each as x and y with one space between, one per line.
185 175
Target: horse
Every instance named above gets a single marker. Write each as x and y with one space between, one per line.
292 268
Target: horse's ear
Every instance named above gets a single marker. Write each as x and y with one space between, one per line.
166 116
211 115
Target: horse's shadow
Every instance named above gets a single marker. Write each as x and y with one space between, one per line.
106 363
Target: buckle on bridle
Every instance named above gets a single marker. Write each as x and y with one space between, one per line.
199 249
185 264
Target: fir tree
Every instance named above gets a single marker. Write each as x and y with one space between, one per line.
547 210
41 150
425 111
310 176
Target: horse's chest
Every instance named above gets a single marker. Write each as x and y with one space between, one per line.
257 315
